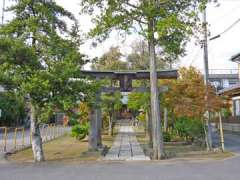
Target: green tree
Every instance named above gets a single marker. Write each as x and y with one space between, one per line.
110 104
110 60
138 59
171 20
137 101
13 111
40 64
186 96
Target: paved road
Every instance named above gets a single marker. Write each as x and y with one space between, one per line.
214 170
232 142
126 146
141 170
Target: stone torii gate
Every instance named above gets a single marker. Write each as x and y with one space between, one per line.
125 79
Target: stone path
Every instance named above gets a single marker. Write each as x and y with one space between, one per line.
126 146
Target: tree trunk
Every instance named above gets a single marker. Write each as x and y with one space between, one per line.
110 125
172 118
146 124
36 137
150 129
114 119
158 149
165 119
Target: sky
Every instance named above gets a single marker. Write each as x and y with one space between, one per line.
219 19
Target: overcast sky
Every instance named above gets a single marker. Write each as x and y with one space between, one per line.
220 50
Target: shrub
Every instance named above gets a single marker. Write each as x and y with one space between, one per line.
80 131
189 128
167 137
226 113
73 122
141 117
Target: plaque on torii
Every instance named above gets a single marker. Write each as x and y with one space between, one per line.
125 79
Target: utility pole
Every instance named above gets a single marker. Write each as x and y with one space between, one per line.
221 131
3 9
206 75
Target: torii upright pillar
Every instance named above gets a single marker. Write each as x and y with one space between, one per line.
95 135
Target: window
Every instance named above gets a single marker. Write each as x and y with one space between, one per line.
225 83
216 84
236 106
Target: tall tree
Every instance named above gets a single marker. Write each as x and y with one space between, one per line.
186 96
111 60
12 107
40 60
171 20
138 59
110 104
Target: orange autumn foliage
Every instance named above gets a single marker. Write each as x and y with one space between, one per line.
186 95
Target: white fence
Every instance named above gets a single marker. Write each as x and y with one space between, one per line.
12 139
231 127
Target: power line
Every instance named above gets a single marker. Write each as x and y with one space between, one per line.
226 30
224 15
196 56
230 27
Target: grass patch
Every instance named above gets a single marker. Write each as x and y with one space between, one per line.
179 150
63 149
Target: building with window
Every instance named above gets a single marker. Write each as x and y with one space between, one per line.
232 92
223 78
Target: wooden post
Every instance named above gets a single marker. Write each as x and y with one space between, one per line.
54 131
23 136
30 136
221 131
146 124
172 118
15 138
5 139
165 119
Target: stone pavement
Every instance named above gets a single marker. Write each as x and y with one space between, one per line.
126 146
